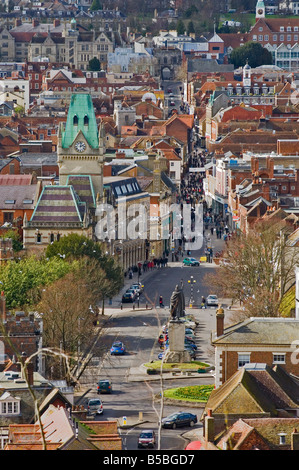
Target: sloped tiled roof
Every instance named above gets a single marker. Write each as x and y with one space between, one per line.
82 185
58 204
255 388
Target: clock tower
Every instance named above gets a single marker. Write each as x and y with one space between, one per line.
260 10
80 147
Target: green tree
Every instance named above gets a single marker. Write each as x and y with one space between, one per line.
180 27
21 280
252 52
74 246
96 5
94 64
16 239
190 28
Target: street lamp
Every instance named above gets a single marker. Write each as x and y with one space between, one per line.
191 282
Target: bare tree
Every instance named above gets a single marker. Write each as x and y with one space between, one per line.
258 269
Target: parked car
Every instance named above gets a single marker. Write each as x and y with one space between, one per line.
95 406
104 386
179 419
190 344
128 297
191 351
117 348
147 438
172 103
133 292
189 332
137 287
191 262
212 300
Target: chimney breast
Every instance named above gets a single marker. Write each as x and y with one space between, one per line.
219 322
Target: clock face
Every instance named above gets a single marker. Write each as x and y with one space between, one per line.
260 11
80 146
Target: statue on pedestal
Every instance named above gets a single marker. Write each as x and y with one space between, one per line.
177 303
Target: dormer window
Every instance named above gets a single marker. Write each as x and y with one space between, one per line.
281 29
75 120
86 120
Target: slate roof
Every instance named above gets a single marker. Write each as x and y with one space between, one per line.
82 185
58 205
14 197
261 330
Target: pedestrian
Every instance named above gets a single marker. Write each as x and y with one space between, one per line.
203 302
161 301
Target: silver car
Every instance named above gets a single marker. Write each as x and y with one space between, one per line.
95 406
212 300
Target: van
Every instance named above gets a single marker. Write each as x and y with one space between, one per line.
104 386
95 406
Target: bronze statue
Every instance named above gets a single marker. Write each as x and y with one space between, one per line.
177 303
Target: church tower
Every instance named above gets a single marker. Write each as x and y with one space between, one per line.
80 147
260 10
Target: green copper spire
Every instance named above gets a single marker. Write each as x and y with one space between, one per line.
81 117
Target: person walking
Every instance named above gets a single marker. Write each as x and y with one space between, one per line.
161 301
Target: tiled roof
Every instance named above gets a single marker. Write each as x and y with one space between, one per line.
261 330
259 389
58 204
82 185
18 196
10 180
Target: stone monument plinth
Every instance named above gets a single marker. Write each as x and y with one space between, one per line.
176 349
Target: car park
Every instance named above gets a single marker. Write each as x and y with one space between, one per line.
147 438
95 406
179 419
117 348
190 262
212 300
104 386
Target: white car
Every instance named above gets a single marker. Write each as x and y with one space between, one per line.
212 300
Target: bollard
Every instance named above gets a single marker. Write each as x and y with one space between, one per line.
133 306
140 415
121 306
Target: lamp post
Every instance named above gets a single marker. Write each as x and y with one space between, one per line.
191 281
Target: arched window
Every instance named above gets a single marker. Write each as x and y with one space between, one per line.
38 238
75 120
52 237
85 120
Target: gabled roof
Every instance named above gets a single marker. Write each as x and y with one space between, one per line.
259 390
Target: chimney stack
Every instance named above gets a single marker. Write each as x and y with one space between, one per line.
209 432
3 307
295 440
219 322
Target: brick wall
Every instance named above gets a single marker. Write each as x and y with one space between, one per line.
230 361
